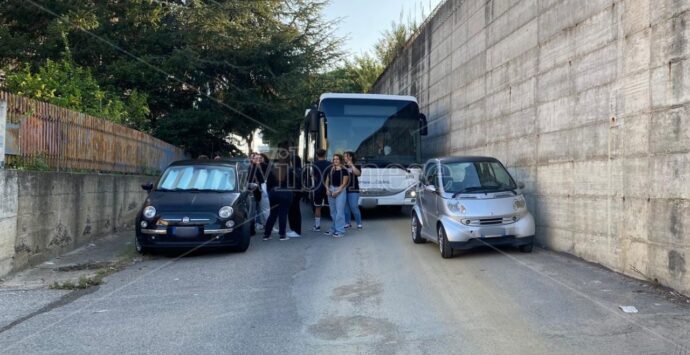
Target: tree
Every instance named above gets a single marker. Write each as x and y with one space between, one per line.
64 84
246 64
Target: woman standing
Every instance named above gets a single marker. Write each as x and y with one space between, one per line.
279 196
256 176
264 205
352 207
337 180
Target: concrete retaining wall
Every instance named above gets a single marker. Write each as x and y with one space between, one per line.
585 101
45 214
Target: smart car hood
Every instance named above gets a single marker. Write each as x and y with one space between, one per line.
176 201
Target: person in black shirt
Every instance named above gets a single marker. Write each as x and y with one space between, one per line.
337 181
352 208
280 197
294 214
255 176
318 173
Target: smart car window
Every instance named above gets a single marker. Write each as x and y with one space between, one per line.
476 176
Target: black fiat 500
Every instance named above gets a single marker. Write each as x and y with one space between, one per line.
197 203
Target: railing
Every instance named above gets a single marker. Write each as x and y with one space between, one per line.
41 135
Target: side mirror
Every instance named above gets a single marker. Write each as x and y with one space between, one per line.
423 129
147 186
521 185
252 186
430 188
313 120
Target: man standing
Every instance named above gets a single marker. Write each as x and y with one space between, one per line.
319 171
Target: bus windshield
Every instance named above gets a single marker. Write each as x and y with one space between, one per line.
378 131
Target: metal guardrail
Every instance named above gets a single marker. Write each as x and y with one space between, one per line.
39 134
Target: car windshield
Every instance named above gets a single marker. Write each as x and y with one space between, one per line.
478 176
376 130
198 178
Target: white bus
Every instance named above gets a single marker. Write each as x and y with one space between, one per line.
384 132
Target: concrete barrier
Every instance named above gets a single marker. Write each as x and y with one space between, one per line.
45 214
585 101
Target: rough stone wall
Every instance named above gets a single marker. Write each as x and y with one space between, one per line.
45 214
586 101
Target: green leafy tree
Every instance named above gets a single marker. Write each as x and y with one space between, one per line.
64 84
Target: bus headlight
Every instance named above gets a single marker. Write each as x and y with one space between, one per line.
411 193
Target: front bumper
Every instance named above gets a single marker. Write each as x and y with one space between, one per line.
463 236
205 238
400 199
497 241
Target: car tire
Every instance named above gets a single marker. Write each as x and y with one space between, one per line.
527 248
142 250
443 244
246 238
416 230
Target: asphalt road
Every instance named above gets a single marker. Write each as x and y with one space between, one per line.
373 291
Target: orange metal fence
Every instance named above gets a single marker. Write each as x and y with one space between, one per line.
38 133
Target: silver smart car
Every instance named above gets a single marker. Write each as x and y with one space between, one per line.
467 202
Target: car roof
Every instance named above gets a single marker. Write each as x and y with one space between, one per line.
210 162
464 159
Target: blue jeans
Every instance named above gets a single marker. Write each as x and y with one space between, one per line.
337 207
352 208
280 204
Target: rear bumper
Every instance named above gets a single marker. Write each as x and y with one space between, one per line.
495 241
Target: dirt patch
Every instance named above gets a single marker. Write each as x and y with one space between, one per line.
359 292
340 328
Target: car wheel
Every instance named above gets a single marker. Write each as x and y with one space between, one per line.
443 244
246 238
527 248
140 248
416 230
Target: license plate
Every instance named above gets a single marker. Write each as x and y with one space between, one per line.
185 232
493 233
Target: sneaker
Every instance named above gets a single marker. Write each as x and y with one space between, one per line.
327 232
267 237
293 234
337 235
275 230
347 226
316 229
359 226
259 227
282 237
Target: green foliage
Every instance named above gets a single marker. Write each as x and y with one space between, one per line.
66 85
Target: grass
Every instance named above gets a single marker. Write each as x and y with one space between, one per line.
125 257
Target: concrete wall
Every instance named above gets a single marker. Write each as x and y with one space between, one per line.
586 101
45 214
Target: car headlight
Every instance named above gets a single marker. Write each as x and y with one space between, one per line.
457 207
149 212
225 212
519 204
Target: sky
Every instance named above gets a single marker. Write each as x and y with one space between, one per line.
363 21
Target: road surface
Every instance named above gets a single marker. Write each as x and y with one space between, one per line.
373 291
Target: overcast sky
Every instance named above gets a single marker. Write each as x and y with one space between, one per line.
364 20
